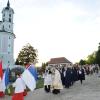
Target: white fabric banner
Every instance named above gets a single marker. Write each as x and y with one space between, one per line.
29 79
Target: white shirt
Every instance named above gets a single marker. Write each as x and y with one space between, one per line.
48 79
19 85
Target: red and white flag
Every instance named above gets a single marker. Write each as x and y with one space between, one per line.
1 71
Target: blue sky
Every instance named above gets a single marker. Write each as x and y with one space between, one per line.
57 28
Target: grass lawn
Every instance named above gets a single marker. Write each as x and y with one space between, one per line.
40 83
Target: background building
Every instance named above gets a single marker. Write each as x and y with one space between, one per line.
61 62
7 37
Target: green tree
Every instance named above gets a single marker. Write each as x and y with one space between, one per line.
97 60
27 55
91 58
44 67
82 62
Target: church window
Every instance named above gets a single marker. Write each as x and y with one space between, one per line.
8 62
9 37
9 26
9 19
9 15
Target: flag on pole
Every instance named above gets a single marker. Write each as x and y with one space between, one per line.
6 77
29 77
33 71
1 71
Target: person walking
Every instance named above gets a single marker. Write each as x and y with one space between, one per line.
81 75
47 81
57 83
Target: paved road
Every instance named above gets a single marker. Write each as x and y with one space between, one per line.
90 90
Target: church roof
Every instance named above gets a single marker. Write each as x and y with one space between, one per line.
8 7
58 60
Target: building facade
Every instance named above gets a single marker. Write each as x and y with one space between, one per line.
7 37
60 62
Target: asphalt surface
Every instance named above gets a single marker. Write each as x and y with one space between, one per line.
89 90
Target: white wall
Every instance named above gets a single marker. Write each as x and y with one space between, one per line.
6 48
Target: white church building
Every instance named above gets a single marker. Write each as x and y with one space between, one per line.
7 37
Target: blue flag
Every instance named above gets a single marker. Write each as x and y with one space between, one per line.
7 71
33 71
30 77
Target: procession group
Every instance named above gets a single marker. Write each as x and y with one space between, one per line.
57 78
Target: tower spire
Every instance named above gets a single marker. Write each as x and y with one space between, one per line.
8 4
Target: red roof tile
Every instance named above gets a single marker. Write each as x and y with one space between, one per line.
58 60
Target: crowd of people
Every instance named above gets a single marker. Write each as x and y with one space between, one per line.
91 69
57 78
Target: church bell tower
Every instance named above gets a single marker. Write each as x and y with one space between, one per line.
7 18
7 37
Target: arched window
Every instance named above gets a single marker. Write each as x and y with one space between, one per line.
9 19
9 15
8 62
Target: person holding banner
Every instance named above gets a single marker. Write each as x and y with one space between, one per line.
30 77
19 88
25 89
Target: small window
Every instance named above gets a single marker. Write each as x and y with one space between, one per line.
9 19
9 37
9 15
8 62
8 52
9 26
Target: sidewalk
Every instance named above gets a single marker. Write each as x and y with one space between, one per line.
90 90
